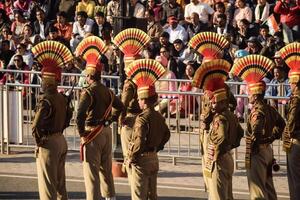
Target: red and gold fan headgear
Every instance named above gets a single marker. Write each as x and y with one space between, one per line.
144 73
253 69
209 44
91 48
291 55
52 56
131 41
211 76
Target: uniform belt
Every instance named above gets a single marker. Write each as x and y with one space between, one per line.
264 145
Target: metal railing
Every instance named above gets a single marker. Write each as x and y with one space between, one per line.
182 116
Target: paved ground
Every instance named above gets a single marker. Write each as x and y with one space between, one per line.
178 182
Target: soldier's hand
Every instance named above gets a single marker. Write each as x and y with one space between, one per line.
82 140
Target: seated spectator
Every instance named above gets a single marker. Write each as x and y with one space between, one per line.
86 6
98 25
7 5
223 28
164 42
242 12
156 8
253 45
18 23
35 5
168 61
274 44
4 20
69 7
204 11
53 35
154 28
136 9
219 9
7 35
283 89
176 31
64 28
181 54
16 77
113 10
100 7
243 34
263 35
81 27
22 5
6 53
262 11
196 26
26 55
171 8
279 63
41 25
28 37
290 15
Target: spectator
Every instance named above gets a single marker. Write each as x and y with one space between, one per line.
4 20
168 61
187 103
100 7
26 55
181 55
22 5
219 9
243 34
17 77
7 35
87 6
289 11
223 28
176 31
196 26
81 27
28 37
69 7
171 8
204 11
41 25
164 41
154 28
7 5
53 35
283 88
279 63
242 12
156 8
274 43
113 10
263 35
18 24
136 9
6 54
253 45
98 25
35 5
64 28
262 11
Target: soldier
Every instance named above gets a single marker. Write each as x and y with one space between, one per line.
49 122
224 133
291 136
93 116
264 125
150 132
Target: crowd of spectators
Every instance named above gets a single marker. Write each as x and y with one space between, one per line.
170 24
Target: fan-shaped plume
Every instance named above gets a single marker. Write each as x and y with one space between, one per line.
145 72
291 55
252 68
209 44
131 41
91 48
211 75
52 54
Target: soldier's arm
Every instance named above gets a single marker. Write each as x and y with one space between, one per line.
220 130
84 103
141 128
165 138
293 116
257 123
279 127
117 104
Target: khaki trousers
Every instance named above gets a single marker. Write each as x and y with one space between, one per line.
50 162
220 183
126 133
144 178
260 180
204 143
293 169
97 166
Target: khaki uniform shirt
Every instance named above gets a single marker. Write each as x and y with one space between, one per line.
292 129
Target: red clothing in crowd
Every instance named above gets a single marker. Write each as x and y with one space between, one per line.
288 15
